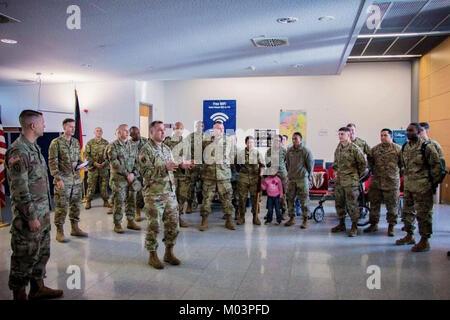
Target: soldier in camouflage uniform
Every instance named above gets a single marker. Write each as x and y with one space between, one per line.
300 165
195 139
424 135
106 156
157 166
218 155
124 184
64 156
98 167
176 143
349 165
30 205
385 162
362 144
282 170
139 141
421 174
248 162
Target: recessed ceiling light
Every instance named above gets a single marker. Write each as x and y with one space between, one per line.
251 68
297 66
9 41
86 65
287 20
326 18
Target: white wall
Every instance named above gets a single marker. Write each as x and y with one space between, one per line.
108 103
371 95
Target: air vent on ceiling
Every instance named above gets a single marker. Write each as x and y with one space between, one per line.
270 42
26 81
7 19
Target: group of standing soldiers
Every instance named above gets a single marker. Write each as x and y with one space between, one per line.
160 175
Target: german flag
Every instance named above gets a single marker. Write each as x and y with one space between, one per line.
79 135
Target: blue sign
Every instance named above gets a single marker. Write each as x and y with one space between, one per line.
219 110
399 137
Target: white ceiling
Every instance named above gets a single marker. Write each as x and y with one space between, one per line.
177 39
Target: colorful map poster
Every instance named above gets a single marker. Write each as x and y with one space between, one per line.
292 121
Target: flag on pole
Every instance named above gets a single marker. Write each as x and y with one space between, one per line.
79 135
2 171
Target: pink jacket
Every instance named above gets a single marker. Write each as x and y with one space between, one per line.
273 186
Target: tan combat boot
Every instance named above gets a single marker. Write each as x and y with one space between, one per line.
189 208
283 216
88 205
118 228
291 222
256 219
204 224
354 230
183 224
76 231
137 216
240 220
154 261
304 224
229 223
170 257
60 234
39 291
132 225
408 239
422 246
372 228
106 204
340 227
110 210
390 232
19 294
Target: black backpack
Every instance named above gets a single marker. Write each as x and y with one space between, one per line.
443 172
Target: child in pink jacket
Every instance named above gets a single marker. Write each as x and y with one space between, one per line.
274 188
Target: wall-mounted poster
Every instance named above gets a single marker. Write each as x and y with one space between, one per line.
399 137
219 110
292 121
263 137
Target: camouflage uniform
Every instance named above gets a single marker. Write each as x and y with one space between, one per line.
349 164
282 173
418 188
63 158
182 176
362 144
30 200
247 164
234 186
217 174
300 165
159 194
196 170
95 153
106 152
438 148
123 160
385 162
139 197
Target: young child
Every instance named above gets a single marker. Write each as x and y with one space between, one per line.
274 188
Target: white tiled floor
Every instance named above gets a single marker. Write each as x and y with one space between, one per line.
252 262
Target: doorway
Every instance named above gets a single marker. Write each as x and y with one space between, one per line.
145 118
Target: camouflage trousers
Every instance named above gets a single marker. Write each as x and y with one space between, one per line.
195 176
122 193
390 198
422 204
225 193
139 196
299 189
100 175
161 208
346 200
283 201
182 190
30 251
246 185
69 198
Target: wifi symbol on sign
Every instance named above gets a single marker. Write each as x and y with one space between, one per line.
219 116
